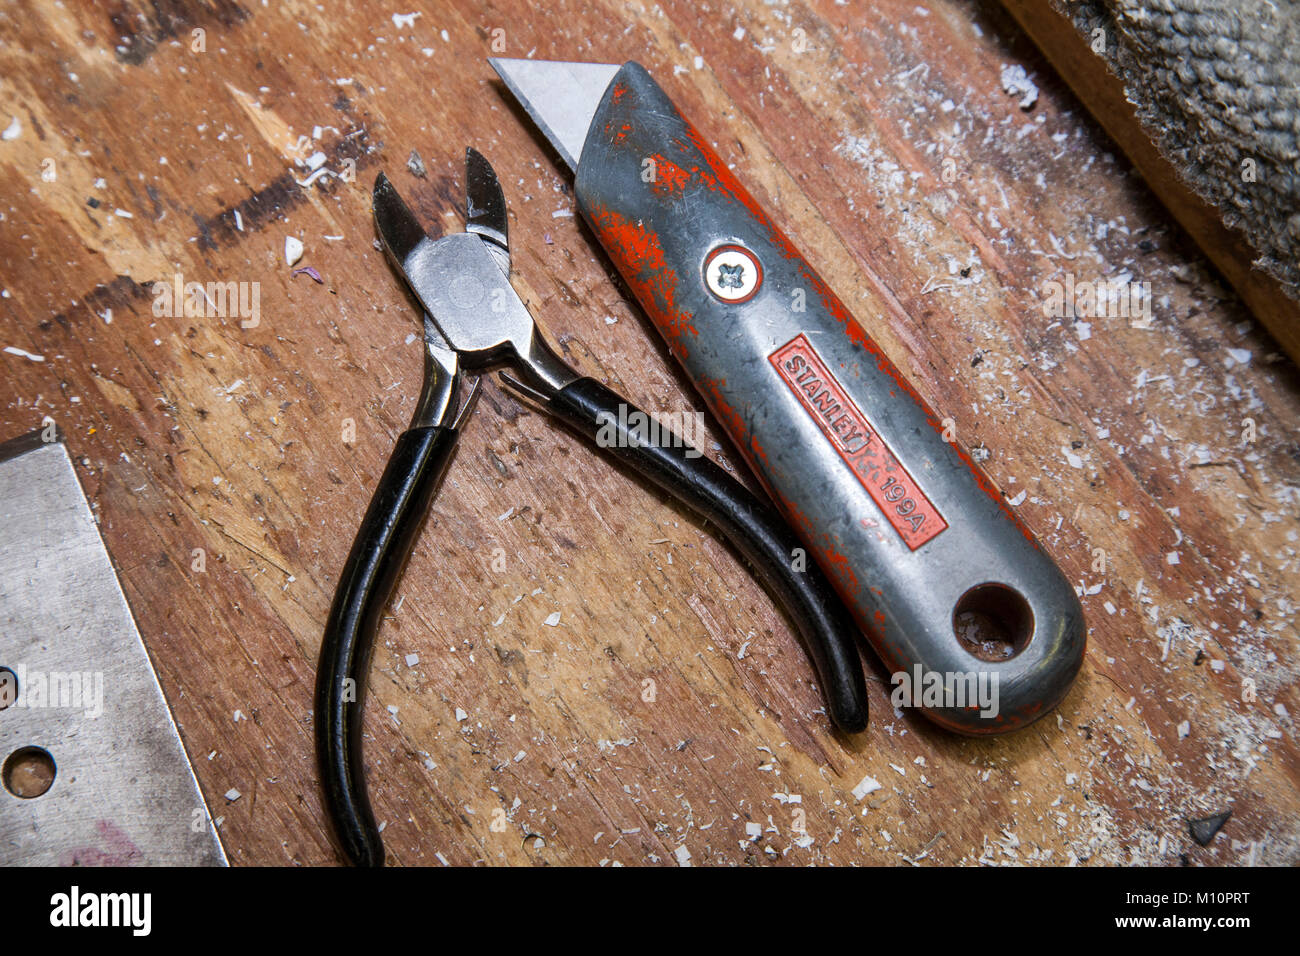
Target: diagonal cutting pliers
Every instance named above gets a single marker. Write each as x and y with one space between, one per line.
475 320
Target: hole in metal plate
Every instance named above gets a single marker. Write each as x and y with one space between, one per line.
28 772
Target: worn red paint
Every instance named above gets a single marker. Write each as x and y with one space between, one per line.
669 179
639 257
734 423
832 561
637 253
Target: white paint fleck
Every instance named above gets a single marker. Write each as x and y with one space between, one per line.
1238 357
866 785
1016 82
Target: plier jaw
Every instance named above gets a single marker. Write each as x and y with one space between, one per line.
462 280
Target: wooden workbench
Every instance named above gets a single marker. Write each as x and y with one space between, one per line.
510 717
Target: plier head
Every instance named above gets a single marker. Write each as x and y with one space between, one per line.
462 279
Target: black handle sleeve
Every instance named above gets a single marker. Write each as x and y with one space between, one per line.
753 527
388 531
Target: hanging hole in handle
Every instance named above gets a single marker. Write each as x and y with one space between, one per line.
993 622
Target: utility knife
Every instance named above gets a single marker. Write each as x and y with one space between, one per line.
952 589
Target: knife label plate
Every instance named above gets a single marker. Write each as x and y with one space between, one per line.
850 432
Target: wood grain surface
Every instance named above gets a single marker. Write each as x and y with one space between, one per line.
229 462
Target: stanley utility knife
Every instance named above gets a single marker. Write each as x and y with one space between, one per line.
918 540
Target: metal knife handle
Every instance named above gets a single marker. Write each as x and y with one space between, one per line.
916 538
753 527
382 545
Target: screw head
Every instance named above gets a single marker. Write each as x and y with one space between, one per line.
733 273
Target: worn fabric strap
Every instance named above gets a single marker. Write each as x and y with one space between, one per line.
1216 84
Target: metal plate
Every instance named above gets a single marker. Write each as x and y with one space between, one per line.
123 790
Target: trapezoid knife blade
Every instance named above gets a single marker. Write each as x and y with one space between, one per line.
92 769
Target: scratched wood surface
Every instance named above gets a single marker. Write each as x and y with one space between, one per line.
229 461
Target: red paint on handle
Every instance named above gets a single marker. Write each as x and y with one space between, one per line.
640 259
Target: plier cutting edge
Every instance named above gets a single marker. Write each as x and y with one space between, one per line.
474 320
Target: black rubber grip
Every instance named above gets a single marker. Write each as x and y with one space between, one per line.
754 527
388 531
